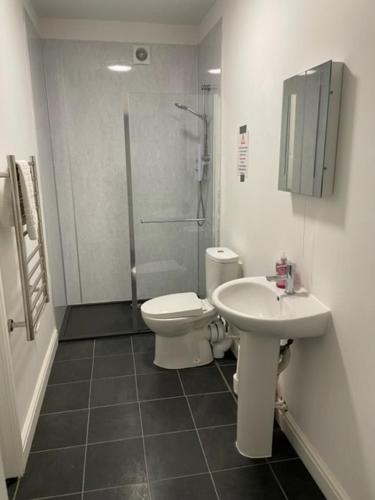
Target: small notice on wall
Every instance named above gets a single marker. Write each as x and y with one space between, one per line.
243 153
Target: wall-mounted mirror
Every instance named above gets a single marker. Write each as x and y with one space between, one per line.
310 118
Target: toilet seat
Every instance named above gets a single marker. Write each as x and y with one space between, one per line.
177 305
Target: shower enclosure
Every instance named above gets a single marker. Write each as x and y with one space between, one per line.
135 176
168 179
171 173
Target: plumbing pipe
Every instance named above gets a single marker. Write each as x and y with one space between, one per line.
219 339
284 359
285 354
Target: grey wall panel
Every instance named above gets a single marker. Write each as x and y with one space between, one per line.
46 169
56 104
87 103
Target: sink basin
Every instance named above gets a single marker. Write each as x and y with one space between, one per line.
262 314
256 305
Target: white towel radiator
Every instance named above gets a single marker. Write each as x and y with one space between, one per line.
33 266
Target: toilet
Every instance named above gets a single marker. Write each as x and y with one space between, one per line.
187 329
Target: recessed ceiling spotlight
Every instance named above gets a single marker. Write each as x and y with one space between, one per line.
214 71
120 68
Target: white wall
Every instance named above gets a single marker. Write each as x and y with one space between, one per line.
329 384
18 137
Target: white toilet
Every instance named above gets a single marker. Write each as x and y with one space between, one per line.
186 326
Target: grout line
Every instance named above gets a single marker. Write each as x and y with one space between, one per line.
59 412
80 381
277 481
172 478
198 436
63 495
140 401
156 434
114 355
148 373
278 460
73 446
81 358
141 422
248 466
88 425
231 390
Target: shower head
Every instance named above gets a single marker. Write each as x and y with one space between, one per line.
186 108
181 106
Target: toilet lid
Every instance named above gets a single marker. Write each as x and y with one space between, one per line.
176 305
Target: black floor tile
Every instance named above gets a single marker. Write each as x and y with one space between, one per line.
144 343
296 481
159 385
219 445
114 422
74 350
184 488
109 391
228 372
61 430
113 345
115 464
95 320
11 487
113 366
66 397
52 473
255 483
228 359
70 371
166 415
172 455
75 496
213 409
144 363
202 380
131 492
281 448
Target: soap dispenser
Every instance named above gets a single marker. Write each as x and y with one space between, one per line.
280 269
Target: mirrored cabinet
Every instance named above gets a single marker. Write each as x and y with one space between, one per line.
310 120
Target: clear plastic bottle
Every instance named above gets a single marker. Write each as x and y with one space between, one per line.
280 269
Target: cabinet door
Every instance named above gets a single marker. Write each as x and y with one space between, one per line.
309 130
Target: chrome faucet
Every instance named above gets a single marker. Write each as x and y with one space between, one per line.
288 276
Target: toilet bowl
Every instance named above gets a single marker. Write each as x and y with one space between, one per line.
186 326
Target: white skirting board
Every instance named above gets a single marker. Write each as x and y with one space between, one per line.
314 463
29 426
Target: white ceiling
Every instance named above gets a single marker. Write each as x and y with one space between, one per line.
144 11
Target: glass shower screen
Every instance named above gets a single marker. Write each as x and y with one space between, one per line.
164 145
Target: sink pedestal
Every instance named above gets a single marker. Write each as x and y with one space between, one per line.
258 366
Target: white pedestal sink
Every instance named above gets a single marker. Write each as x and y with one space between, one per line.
262 315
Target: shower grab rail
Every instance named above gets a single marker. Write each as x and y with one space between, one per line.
33 304
162 221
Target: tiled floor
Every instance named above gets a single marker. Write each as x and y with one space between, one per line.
98 320
114 426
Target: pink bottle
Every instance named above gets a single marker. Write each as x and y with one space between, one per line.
280 269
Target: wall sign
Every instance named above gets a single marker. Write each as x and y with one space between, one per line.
243 153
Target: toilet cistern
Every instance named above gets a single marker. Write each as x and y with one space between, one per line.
288 276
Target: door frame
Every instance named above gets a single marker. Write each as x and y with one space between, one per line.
10 431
